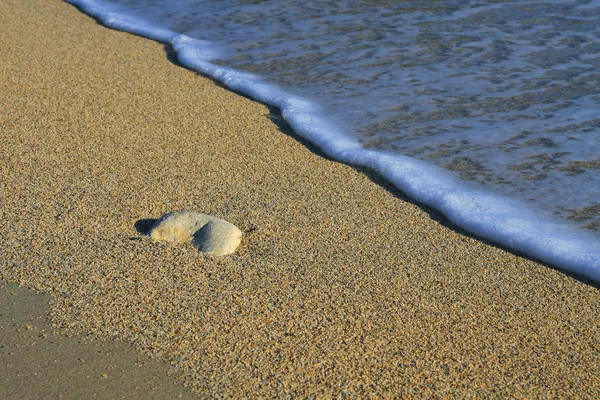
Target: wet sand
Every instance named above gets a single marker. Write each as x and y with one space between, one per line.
38 363
341 287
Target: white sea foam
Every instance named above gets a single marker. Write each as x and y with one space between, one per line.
504 220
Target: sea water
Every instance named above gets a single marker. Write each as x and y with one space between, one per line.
487 110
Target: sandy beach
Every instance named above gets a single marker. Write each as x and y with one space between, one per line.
342 287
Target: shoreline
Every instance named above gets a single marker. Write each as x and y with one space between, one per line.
339 285
506 221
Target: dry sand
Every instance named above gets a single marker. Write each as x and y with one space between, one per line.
341 287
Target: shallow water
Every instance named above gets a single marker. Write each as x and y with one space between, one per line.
503 95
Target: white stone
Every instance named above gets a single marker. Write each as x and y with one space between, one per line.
208 234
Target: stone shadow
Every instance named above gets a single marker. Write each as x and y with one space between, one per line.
143 226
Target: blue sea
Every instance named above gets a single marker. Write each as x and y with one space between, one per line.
486 110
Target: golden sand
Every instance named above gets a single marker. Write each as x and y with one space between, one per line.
341 287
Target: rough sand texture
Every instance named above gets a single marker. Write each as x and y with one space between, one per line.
37 363
340 287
